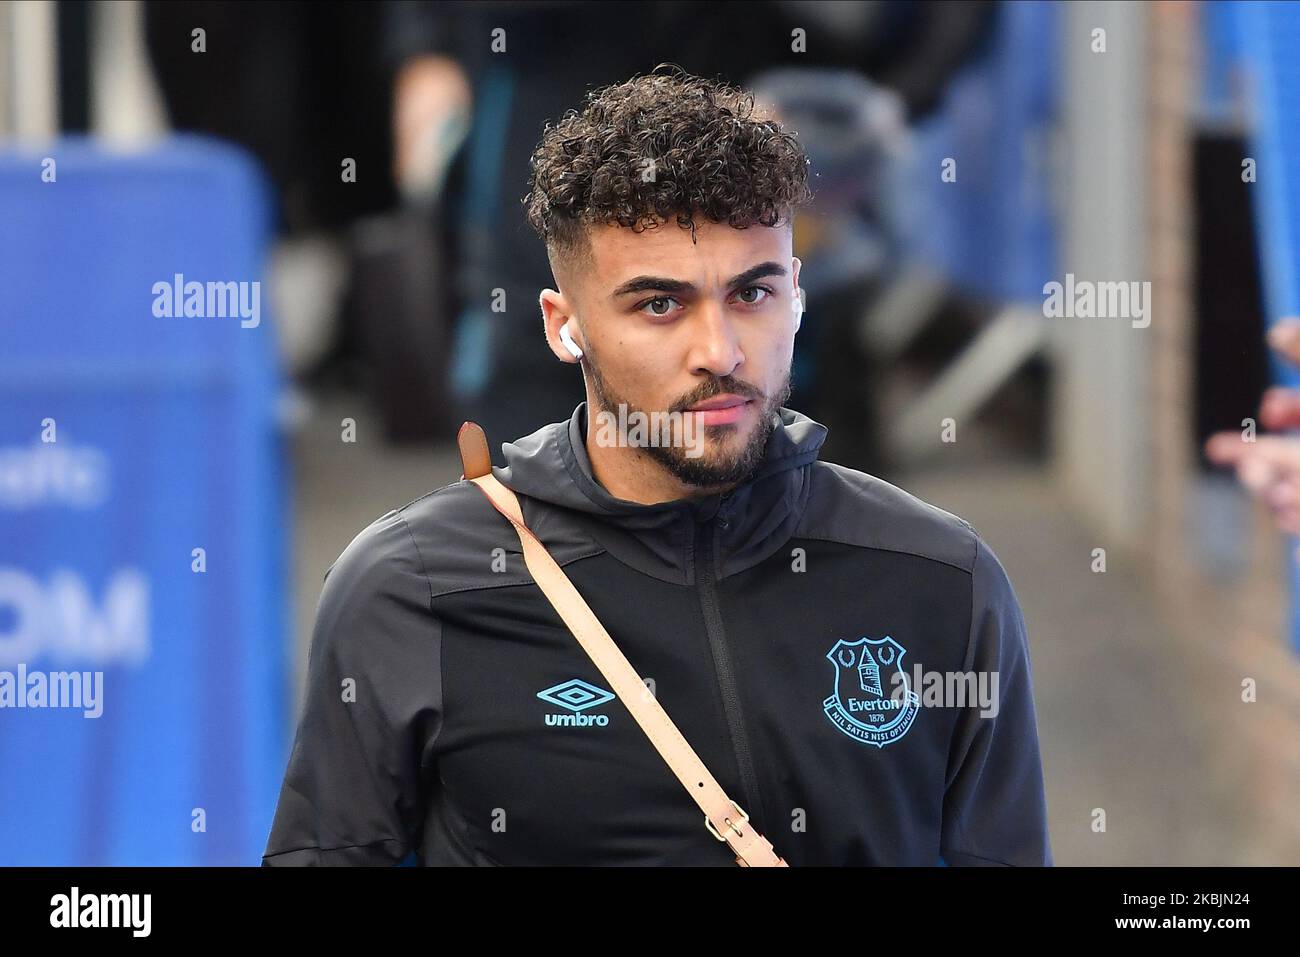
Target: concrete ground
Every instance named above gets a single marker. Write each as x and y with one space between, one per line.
1137 719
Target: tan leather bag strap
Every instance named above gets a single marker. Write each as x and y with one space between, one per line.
722 816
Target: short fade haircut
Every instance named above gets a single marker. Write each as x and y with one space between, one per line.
707 151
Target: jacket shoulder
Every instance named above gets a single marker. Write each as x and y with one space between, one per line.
462 539
856 508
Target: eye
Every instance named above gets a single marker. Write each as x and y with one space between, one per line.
653 313
753 302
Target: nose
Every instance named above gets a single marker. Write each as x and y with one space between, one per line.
715 347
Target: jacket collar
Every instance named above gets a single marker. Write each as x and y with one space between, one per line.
750 521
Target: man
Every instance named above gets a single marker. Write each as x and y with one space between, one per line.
788 614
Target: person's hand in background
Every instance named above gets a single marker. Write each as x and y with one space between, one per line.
431 114
1269 465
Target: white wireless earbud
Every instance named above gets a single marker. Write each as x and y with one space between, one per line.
566 339
798 307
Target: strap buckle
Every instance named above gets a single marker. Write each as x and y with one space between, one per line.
744 819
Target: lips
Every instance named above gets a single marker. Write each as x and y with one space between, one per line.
718 402
721 410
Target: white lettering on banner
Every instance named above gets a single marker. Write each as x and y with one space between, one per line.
60 618
53 474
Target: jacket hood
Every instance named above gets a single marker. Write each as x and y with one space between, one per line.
753 519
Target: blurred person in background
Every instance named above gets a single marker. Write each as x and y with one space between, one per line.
357 272
298 85
1269 465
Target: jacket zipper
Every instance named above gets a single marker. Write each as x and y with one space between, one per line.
726 674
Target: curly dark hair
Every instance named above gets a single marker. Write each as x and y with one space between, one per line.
706 149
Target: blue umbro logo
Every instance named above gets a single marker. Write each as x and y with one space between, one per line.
576 696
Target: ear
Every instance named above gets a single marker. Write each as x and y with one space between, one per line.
798 294
556 311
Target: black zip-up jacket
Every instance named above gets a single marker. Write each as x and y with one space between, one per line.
450 713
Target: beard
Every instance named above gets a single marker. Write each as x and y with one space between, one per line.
715 467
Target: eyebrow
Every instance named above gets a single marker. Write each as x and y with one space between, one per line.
663 284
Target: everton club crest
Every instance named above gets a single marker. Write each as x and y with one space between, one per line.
872 701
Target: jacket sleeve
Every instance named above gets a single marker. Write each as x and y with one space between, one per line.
995 806
357 781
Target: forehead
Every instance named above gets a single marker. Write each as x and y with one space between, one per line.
718 252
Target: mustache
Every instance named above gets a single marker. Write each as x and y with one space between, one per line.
708 390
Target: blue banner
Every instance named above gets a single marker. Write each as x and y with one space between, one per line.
143 661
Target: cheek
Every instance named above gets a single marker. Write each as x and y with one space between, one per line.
640 372
771 355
